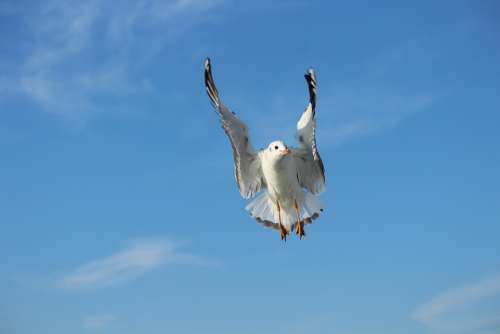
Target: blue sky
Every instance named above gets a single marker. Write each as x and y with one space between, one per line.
119 212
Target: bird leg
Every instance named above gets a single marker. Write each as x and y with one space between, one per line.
283 231
300 224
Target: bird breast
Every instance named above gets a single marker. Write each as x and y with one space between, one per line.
281 178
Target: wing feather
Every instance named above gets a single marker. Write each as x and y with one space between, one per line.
247 165
310 166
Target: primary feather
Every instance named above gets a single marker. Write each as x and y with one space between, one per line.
246 161
310 166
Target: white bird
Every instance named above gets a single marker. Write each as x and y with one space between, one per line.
288 177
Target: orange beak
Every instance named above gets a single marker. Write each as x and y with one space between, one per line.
286 151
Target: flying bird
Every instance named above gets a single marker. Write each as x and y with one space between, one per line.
288 178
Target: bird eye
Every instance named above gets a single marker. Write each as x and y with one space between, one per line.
275 147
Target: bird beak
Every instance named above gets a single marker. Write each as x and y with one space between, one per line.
286 151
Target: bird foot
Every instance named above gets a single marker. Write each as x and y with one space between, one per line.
283 232
299 230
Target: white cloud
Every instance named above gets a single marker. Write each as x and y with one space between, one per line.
471 308
97 322
61 29
368 102
346 111
363 108
76 51
129 263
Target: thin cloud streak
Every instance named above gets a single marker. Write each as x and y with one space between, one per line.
367 110
345 111
140 258
445 312
363 105
54 72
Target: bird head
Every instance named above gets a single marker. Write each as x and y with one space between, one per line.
278 150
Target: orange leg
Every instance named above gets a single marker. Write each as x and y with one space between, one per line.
300 224
283 231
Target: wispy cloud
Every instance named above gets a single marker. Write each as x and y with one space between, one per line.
97 322
141 257
471 308
77 55
378 97
369 100
346 110
362 108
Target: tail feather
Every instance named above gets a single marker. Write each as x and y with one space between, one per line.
265 211
262 210
311 208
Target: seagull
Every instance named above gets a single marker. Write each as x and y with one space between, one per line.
288 178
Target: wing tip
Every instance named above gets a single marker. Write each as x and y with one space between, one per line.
211 89
310 77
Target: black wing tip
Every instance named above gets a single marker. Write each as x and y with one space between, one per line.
310 77
208 67
210 87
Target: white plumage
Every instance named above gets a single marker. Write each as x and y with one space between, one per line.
288 178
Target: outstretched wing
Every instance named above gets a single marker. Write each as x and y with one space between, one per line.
247 165
310 166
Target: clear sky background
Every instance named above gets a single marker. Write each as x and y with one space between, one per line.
119 212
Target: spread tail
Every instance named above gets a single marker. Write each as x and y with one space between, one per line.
265 211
